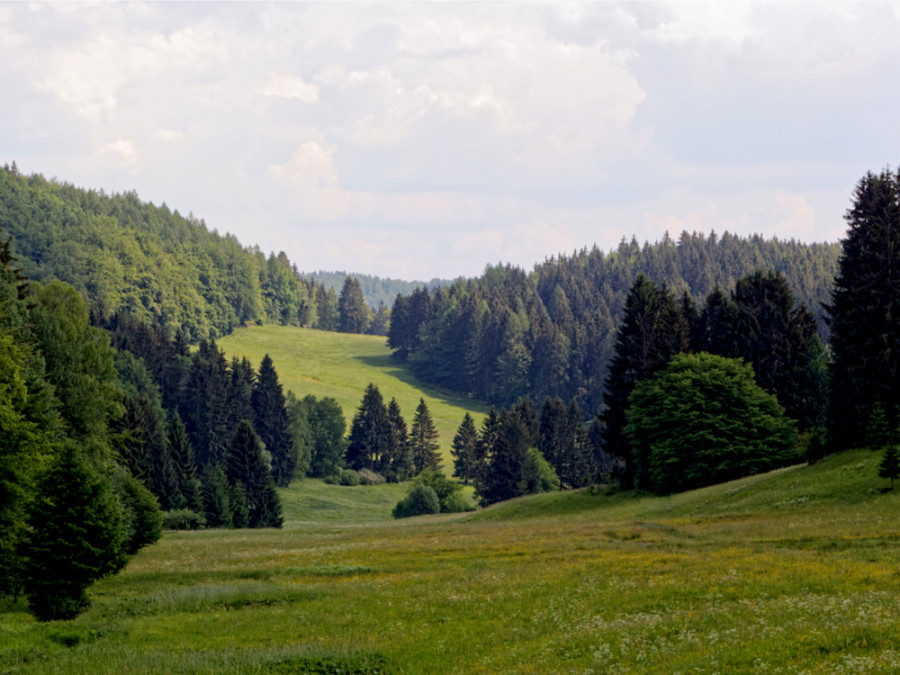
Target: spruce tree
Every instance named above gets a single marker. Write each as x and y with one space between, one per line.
465 450
890 464
272 424
354 314
185 465
76 537
245 466
865 326
217 508
423 438
402 466
370 433
651 333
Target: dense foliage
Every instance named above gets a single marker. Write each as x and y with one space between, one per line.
131 257
759 322
704 420
70 512
552 332
865 324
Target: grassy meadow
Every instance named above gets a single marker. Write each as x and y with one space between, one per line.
797 571
340 365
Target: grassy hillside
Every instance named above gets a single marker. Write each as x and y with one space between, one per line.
341 365
795 571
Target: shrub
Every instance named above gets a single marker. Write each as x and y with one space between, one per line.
332 479
183 519
142 517
449 493
369 477
539 474
704 420
421 500
349 477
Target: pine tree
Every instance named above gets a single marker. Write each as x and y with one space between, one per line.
865 326
272 424
76 537
465 450
890 464
423 438
401 466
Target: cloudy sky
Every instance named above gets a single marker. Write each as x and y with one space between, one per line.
426 139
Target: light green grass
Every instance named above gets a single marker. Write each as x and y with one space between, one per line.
341 365
797 571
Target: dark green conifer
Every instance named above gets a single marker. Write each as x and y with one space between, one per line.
423 438
465 450
76 537
272 424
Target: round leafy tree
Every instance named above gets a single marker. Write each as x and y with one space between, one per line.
704 420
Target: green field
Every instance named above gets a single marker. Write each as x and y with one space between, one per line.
794 571
340 365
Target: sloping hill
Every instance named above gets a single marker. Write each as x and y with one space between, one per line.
340 365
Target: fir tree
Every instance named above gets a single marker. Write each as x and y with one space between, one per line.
185 465
272 424
245 465
370 433
354 315
402 467
217 508
465 450
865 327
423 438
890 464
76 537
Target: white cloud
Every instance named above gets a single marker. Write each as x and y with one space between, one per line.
290 86
123 153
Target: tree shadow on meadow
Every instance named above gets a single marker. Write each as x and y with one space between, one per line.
390 365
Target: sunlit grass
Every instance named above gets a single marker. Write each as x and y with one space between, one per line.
795 571
341 365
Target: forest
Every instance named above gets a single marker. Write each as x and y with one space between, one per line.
663 368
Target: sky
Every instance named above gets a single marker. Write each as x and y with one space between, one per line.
423 140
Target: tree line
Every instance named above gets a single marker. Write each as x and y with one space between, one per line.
129 256
552 332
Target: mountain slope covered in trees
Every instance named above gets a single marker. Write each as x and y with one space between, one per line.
131 257
551 332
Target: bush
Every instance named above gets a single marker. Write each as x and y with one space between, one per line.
332 479
449 493
539 474
142 517
704 420
349 477
369 477
420 501
183 519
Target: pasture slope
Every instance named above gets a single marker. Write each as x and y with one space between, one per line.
341 365
790 572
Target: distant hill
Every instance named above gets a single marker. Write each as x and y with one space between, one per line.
375 289
129 256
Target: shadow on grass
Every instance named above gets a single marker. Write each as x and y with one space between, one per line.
391 365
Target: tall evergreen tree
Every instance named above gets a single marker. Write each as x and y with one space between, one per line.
465 450
423 438
402 467
272 424
651 333
354 314
184 462
863 315
370 433
245 466
76 537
